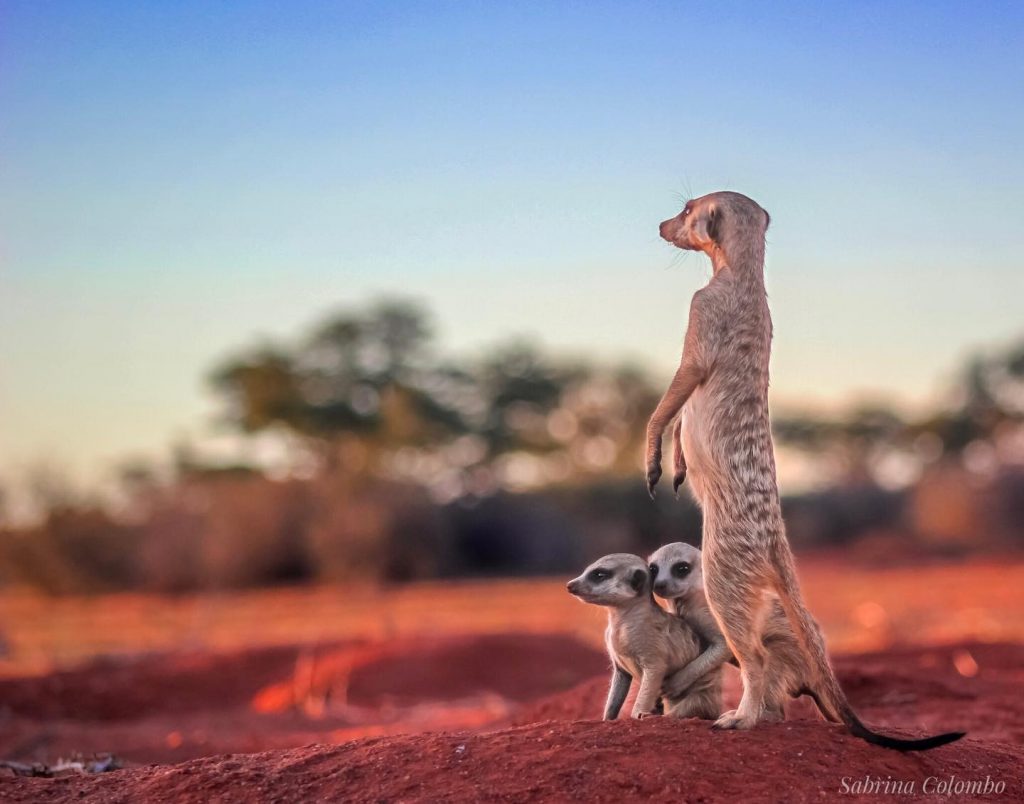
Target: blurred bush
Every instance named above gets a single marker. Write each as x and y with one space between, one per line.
396 462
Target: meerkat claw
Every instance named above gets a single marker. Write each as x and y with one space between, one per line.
731 720
653 476
678 481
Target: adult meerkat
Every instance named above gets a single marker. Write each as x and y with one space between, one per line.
676 570
726 449
644 641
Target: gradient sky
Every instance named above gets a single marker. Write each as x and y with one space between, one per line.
180 179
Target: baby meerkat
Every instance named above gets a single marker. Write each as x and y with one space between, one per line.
678 577
644 641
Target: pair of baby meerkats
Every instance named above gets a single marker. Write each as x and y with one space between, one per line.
677 658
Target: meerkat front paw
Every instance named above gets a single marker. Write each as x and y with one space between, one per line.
645 715
678 459
678 479
653 471
733 720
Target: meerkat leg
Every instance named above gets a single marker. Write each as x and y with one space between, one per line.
774 697
617 692
650 691
678 458
741 609
781 680
750 654
687 377
703 702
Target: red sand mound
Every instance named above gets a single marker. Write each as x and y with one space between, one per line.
519 667
554 749
912 688
515 667
554 761
117 689
176 707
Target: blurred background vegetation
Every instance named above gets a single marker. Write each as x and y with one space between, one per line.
362 452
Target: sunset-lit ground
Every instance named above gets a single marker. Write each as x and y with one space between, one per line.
860 609
512 668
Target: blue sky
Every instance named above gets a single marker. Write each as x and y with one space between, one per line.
182 179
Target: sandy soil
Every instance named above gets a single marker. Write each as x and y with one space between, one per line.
386 721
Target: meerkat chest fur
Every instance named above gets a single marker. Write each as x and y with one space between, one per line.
648 636
726 431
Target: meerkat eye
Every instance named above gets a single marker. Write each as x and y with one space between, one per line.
681 570
654 570
598 575
686 210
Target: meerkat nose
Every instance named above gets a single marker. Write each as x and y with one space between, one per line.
660 587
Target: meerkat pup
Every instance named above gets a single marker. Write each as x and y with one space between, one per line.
676 572
725 445
644 641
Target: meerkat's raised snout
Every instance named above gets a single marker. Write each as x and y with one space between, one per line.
573 587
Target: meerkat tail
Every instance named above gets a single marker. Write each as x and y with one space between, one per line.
828 695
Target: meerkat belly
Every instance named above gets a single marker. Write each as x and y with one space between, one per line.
699 449
621 654
727 440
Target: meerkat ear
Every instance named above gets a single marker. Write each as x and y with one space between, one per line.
714 221
639 580
707 226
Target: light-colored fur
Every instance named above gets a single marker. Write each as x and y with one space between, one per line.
726 447
676 570
644 641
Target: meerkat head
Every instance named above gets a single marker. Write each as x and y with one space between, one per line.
675 570
710 221
615 580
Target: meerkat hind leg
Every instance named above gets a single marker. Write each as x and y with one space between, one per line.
743 626
776 689
706 705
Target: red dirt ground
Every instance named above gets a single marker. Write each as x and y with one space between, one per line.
489 733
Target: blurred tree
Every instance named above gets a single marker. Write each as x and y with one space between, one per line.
363 375
368 388
520 387
988 396
855 441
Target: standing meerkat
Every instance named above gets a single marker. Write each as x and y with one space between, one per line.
644 641
726 450
676 570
